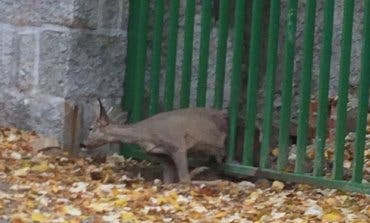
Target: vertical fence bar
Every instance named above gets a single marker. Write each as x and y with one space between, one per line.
221 53
306 76
287 84
140 62
171 55
204 52
254 56
324 75
272 49
188 51
130 70
345 65
363 93
235 76
156 57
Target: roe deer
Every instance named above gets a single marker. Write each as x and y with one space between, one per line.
172 134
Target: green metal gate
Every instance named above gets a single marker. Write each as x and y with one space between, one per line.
134 97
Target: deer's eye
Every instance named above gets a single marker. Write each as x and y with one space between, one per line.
90 129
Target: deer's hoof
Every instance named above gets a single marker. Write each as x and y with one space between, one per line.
185 181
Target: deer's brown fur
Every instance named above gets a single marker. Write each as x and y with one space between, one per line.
172 133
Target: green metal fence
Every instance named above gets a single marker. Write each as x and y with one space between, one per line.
137 64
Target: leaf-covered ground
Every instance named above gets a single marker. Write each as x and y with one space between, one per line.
54 187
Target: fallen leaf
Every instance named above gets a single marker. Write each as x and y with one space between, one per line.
41 167
128 217
220 214
101 207
69 209
15 155
78 187
111 218
277 186
12 137
314 210
38 217
21 172
120 203
334 216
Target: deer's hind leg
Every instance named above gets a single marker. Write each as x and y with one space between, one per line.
168 167
168 170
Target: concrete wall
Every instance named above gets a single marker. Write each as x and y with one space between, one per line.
56 54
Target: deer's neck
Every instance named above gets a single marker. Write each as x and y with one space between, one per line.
123 134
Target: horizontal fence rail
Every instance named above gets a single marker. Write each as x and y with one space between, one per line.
263 142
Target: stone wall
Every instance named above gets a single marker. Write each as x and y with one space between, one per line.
55 55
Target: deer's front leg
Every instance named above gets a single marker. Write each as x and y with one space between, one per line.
181 161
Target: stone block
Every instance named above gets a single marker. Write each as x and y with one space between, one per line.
7 57
43 114
37 12
13 110
72 13
25 74
19 12
85 14
17 59
54 54
125 13
111 13
50 116
96 66
55 11
46 115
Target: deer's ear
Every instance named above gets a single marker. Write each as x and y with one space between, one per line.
103 117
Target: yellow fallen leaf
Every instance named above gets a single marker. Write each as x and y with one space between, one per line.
277 186
115 191
100 207
120 203
30 203
128 217
21 172
170 197
38 217
251 198
41 167
220 214
334 216
55 189
331 201
196 215
311 153
275 152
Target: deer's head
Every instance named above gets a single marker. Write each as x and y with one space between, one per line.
97 135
